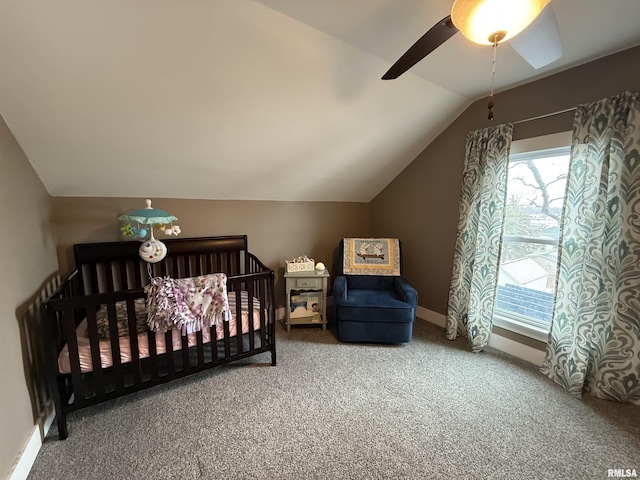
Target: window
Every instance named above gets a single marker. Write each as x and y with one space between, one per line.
527 276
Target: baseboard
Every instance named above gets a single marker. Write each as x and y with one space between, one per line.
28 454
517 349
431 316
498 342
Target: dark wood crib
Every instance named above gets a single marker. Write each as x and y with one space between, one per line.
98 347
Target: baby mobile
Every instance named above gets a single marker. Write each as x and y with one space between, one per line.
140 224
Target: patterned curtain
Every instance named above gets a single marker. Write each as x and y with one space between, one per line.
480 224
594 344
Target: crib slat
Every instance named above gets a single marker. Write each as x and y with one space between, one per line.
115 347
269 296
250 294
227 344
74 355
205 264
96 358
168 349
122 267
108 272
213 344
163 269
238 311
200 264
137 276
185 353
186 272
93 276
195 265
133 340
236 267
175 272
263 321
153 354
200 348
229 266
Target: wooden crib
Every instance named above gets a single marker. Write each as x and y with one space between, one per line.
98 347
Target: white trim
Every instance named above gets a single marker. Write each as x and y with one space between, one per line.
431 316
522 328
517 349
561 139
26 457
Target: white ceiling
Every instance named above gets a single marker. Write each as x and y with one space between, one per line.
250 99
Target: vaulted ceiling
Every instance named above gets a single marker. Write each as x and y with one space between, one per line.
251 99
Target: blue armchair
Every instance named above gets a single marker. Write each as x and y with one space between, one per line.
373 308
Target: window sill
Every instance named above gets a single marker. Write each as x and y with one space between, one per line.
521 328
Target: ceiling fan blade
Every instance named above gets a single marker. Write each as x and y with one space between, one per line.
539 44
436 36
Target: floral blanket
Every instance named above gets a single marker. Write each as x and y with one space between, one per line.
188 304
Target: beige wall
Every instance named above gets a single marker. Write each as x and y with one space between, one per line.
276 230
421 204
28 259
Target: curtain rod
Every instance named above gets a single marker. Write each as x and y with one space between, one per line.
544 116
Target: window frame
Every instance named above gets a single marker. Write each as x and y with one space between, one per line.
545 146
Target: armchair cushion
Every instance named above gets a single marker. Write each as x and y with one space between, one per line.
374 298
375 306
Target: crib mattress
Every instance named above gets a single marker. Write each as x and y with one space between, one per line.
106 359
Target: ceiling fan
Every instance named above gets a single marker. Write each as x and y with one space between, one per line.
489 22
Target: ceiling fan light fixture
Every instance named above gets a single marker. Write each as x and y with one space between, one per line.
481 20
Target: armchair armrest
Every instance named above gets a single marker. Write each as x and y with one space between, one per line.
339 289
405 291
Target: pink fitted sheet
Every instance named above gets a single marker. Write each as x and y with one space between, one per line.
84 346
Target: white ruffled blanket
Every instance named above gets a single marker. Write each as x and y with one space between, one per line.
187 303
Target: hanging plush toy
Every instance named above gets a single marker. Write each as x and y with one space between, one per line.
144 221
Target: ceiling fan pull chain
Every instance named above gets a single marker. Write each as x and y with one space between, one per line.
493 76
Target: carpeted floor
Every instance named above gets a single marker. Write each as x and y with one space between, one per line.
426 410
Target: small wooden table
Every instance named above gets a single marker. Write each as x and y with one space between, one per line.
311 281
